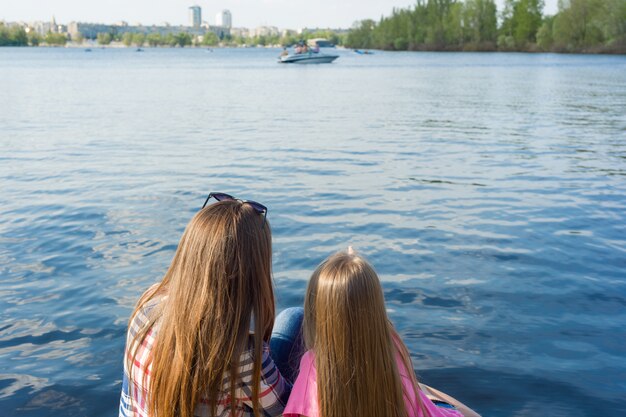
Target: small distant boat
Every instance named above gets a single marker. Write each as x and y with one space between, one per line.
358 51
308 58
139 50
88 50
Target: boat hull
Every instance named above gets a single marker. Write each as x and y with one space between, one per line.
308 59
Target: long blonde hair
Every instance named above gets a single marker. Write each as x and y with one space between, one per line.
219 279
355 345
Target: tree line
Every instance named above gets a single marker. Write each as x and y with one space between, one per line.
476 25
436 25
17 36
211 39
181 39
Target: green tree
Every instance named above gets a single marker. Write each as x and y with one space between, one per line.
480 23
361 34
288 40
139 39
104 38
181 39
154 39
170 39
127 38
521 19
20 38
210 39
390 29
261 40
436 15
400 44
34 38
436 11
14 36
505 37
453 26
184 39
57 39
545 40
614 24
528 17
4 35
240 40
580 25
418 26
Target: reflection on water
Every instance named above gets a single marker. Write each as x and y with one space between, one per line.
487 189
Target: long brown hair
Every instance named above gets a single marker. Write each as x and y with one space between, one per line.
355 345
219 279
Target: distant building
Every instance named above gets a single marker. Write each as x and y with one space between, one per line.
221 31
288 32
240 32
264 31
42 28
224 19
223 24
88 30
91 30
195 16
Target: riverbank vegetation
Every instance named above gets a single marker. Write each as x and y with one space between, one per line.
587 26
12 36
18 36
475 25
211 39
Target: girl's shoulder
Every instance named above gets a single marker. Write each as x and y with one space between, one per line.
307 371
308 359
303 398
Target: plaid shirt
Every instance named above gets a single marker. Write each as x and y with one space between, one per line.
273 391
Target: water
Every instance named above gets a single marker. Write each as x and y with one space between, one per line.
489 191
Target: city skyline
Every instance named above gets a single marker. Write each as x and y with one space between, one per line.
246 13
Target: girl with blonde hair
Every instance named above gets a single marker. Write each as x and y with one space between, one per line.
356 364
197 342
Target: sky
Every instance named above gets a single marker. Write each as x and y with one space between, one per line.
293 14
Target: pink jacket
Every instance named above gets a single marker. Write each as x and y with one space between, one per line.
303 398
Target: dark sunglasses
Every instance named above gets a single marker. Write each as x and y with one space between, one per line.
258 207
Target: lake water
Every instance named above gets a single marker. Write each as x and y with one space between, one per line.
489 191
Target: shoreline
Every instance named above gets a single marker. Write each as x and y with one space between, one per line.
442 50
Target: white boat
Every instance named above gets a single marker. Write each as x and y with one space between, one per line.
308 58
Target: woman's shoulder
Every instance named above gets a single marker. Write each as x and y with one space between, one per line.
247 360
146 311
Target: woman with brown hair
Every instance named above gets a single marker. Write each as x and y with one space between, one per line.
362 366
197 341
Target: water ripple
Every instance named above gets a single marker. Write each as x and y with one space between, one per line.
487 189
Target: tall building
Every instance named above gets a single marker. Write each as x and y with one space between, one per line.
224 19
195 16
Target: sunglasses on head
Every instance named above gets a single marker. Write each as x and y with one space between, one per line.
258 207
